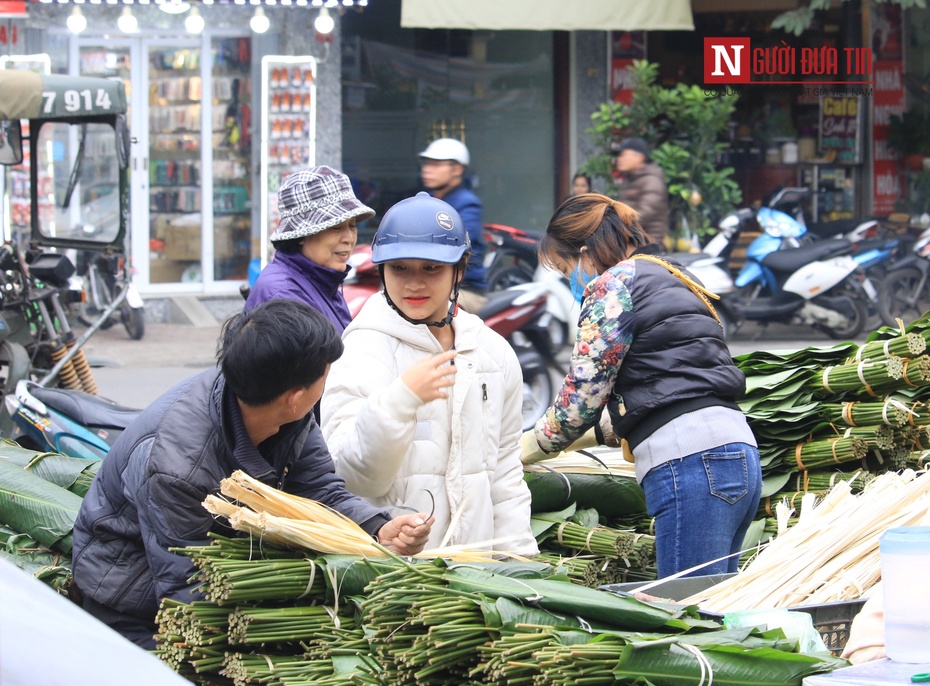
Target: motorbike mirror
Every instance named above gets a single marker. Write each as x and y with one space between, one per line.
123 141
11 142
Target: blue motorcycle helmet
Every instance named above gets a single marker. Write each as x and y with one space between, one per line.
422 228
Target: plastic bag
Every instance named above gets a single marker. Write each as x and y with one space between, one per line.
797 626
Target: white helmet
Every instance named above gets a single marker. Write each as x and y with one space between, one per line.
447 149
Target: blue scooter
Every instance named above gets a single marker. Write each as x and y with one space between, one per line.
64 421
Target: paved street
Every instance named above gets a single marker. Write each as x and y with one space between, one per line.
134 373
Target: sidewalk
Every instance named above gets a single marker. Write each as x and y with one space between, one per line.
164 345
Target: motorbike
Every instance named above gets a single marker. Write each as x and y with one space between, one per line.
37 343
104 276
511 260
822 284
519 314
903 293
64 421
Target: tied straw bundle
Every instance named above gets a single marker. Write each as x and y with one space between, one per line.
291 521
907 345
872 377
831 554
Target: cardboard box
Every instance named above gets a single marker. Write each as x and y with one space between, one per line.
182 241
166 271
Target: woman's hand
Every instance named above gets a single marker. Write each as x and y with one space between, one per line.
429 377
406 534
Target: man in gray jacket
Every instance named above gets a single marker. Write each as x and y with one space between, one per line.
253 414
643 188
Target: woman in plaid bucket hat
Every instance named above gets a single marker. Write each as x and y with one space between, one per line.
314 239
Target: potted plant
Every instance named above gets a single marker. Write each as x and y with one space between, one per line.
909 134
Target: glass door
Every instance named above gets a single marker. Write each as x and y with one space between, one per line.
174 102
231 147
191 180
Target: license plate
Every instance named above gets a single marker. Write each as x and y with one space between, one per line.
489 259
869 289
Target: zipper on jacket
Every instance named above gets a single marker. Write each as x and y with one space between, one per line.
283 478
484 392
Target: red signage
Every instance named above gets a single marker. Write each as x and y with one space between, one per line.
888 100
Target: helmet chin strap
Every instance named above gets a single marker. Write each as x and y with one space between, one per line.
453 304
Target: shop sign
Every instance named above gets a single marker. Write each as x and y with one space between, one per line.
840 118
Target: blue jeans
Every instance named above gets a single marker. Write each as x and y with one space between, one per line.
703 504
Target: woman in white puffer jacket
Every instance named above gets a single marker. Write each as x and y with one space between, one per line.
424 406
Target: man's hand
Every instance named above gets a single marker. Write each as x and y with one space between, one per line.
430 377
406 534
530 450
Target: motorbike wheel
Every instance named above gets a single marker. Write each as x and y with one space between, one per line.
537 395
509 276
857 317
90 310
134 320
899 297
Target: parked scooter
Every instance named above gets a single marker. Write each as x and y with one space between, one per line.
822 284
518 313
66 421
904 293
105 276
511 259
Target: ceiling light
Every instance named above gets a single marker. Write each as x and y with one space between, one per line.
174 7
324 22
194 23
259 21
127 22
77 22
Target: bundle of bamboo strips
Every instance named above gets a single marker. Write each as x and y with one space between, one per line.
906 345
288 520
251 625
872 377
864 413
826 451
831 554
824 481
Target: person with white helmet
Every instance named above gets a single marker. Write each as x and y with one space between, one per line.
423 409
442 172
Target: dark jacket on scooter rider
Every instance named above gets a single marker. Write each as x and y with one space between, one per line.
147 496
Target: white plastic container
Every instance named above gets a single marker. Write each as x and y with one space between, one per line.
905 555
789 153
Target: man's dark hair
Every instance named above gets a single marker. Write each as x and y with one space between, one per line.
274 347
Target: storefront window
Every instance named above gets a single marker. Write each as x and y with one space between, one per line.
403 88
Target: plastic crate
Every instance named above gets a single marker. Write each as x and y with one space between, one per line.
832 620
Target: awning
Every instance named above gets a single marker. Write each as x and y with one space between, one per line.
548 15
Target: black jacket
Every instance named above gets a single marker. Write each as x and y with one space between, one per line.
147 495
678 362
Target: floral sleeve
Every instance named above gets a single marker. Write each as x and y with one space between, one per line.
604 336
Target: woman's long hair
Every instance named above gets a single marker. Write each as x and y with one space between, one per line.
609 229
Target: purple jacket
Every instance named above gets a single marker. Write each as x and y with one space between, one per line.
292 276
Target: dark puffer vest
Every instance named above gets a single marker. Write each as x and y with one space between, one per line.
678 362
